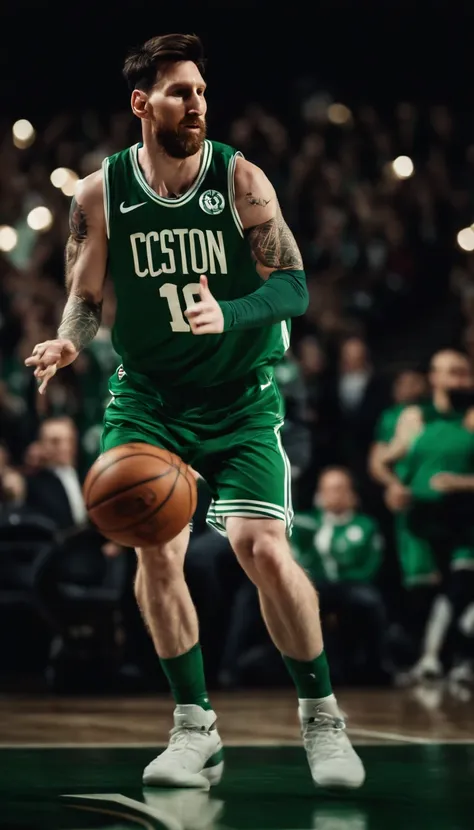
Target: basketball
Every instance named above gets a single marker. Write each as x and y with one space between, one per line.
138 495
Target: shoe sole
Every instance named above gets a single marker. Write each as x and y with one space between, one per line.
209 776
337 788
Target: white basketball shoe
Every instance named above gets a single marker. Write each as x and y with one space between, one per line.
332 760
194 756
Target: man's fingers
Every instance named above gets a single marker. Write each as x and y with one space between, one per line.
47 358
207 328
198 309
192 311
47 375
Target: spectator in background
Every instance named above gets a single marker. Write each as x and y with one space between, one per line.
361 398
320 413
55 489
341 549
295 435
433 489
12 483
409 387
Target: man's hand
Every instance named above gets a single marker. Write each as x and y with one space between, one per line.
205 317
50 356
397 496
450 483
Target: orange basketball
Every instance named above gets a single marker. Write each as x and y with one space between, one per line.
138 495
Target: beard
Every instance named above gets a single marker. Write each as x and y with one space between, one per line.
181 143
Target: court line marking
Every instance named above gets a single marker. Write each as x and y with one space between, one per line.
388 736
392 737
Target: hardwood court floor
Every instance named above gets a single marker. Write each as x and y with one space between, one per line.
77 763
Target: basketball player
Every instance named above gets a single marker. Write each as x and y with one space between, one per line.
430 456
207 274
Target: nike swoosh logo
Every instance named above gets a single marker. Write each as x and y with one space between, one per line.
264 385
124 209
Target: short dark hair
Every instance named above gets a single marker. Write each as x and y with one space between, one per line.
143 63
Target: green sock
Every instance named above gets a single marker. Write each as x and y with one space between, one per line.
311 677
186 677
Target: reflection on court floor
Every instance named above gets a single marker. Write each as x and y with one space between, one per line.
415 778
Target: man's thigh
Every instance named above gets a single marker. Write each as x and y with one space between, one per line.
132 417
249 476
416 555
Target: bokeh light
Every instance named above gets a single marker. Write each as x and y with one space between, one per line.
40 218
8 238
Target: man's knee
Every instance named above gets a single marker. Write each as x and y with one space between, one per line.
260 545
161 563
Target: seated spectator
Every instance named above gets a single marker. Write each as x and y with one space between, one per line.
341 550
55 489
12 483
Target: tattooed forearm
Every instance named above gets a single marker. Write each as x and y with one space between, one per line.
77 236
77 221
274 245
256 200
80 322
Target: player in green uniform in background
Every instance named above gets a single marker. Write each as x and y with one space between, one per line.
432 454
207 275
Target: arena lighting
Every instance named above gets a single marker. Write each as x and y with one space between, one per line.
23 134
403 167
69 186
465 239
64 179
40 218
339 114
8 238
59 176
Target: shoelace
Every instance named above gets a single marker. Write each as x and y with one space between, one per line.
328 730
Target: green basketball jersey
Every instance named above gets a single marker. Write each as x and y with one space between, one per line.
444 446
158 248
387 424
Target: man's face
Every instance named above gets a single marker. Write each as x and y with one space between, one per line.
58 442
176 109
335 492
409 386
450 371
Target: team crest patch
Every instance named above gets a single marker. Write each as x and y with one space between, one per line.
211 201
121 372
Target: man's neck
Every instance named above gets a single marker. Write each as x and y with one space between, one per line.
340 518
168 177
441 401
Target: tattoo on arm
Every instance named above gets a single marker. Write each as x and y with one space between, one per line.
255 200
274 245
77 236
81 321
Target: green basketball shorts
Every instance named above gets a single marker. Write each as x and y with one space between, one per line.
230 434
424 555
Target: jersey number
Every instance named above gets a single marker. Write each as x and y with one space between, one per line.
171 294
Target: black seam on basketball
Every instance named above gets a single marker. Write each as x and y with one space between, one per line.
146 518
129 487
130 455
190 490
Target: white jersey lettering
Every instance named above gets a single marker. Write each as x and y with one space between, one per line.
178 251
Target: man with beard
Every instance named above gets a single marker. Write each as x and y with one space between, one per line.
207 275
428 472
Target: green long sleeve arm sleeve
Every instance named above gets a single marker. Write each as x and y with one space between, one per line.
282 296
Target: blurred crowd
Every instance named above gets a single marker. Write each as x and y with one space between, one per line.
376 385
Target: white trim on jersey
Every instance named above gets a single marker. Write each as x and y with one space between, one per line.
186 197
231 190
106 194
